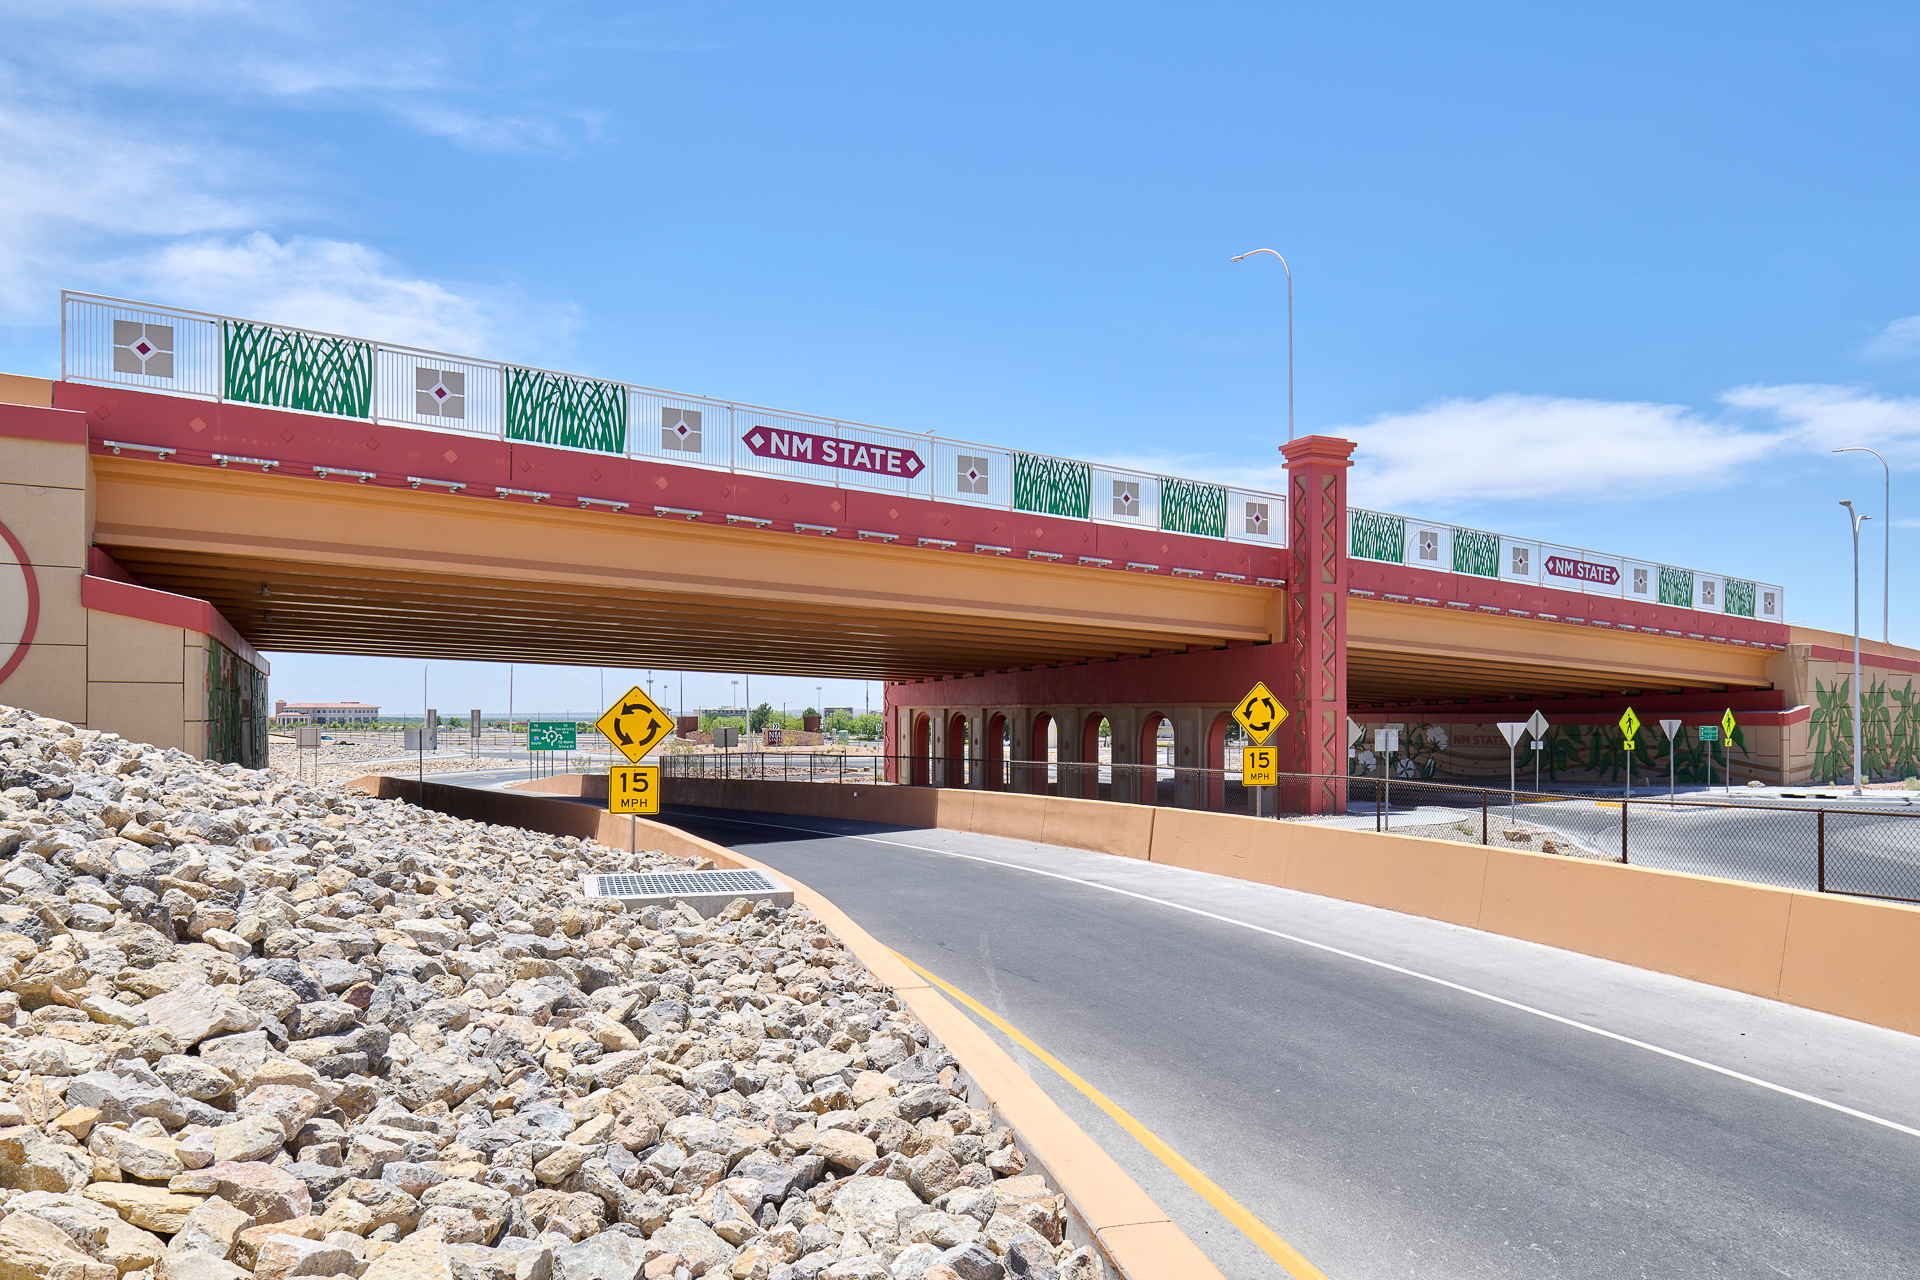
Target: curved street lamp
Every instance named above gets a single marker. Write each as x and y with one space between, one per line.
1289 270
1886 529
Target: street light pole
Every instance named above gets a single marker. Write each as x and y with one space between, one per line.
1289 270
1886 566
1855 519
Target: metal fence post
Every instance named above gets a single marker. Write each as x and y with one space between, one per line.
1483 817
1623 832
1822 816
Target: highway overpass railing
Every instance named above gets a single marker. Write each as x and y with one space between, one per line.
115 342
1868 849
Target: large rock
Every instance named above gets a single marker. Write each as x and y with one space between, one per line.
93 1228
34 1249
870 1206
30 1162
213 1226
694 1241
155 1209
284 1257
266 1193
420 1257
196 1011
843 1150
604 1257
253 1138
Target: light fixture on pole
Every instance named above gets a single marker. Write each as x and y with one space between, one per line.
1856 520
1886 529
1289 270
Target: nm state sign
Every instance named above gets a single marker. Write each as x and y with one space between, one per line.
830 451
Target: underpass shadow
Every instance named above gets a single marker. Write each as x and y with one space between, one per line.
738 828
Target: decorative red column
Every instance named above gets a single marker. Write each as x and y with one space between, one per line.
1317 614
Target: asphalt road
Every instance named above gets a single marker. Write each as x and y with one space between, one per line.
1385 1124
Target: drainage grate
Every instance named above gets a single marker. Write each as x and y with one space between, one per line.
704 891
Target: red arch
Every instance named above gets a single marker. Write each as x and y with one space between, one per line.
1147 790
995 751
19 653
956 769
1034 778
1216 793
922 754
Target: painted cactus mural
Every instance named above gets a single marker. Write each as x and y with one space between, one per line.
1889 737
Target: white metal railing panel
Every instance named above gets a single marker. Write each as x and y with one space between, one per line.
972 473
159 348
689 430
1253 516
1429 545
1125 497
1519 560
445 393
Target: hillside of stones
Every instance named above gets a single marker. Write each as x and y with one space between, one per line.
255 1027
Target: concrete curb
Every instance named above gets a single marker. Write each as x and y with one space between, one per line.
1137 1238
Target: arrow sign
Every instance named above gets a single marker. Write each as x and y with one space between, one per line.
831 451
1260 713
633 724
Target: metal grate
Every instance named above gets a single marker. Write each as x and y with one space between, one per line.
684 882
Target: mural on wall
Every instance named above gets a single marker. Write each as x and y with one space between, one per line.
1421 750
236 709
1890 731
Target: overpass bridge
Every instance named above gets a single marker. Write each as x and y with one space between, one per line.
211 487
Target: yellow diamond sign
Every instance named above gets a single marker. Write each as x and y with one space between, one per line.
1629 723
1726 724
1260 713
634 724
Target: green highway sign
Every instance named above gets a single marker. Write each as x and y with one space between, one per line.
552 735
1709 733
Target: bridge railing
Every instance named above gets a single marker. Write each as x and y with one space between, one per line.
116 342
1869 850
1449 548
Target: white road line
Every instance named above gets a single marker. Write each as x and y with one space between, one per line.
1390 967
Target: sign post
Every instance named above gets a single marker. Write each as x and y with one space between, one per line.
1673 752
1726 748
1709 734
1537 726
1511 731
1629 725
1386 741
1260 713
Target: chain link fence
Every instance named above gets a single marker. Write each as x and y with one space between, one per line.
1869 850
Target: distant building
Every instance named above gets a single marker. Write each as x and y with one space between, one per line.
827 711
285 713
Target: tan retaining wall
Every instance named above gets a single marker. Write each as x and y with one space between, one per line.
1138 1239
1847 956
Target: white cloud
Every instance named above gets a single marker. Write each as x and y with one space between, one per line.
1897 342
1506 447
1822 416
341 287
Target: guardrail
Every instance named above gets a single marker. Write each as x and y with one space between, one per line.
117 342
1856 851
1448 548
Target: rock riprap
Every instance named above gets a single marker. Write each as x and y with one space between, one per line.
252 1027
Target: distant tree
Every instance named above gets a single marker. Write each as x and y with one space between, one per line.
868 726
763 715
839 722
808 712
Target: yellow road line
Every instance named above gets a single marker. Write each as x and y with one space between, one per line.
1235 1212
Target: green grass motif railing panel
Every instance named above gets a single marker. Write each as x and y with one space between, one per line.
293 370
1739 597
1052 486
577 413
1476 553
1375 535
1187 506
1676 587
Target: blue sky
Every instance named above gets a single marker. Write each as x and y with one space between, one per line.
1617 275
